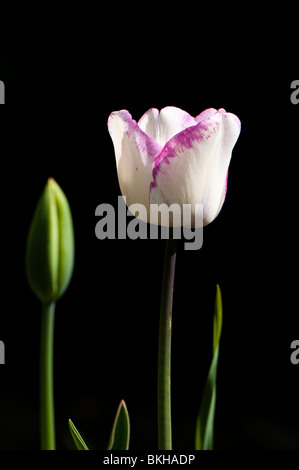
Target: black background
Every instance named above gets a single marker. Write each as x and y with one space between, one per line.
65 71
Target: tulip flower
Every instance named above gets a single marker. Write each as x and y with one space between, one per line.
171 157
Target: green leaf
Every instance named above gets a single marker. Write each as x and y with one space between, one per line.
204 436
120 435
217 323
77 437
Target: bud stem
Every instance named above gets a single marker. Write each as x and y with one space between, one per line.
47 421
164 355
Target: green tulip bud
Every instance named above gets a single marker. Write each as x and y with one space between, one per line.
50 245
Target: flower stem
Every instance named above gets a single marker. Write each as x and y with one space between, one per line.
47 421
164 355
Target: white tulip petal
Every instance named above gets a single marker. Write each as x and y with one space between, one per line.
192 167
207 113
148 123
231 127
163 125
135 154
172 121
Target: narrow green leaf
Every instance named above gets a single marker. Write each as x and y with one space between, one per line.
204 436
217 323
120 435
77 437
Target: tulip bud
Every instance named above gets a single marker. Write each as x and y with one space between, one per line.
50 245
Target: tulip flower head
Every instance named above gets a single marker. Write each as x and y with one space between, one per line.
169 157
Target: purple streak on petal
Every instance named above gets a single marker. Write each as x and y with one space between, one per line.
153 184
185 140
